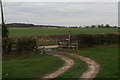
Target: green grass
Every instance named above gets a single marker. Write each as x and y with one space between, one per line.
32 66
107 57
47 43
40 31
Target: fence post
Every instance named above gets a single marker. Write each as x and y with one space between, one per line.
76 44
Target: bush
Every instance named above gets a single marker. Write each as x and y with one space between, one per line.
90 40
87 40
26 44
7 45
10 45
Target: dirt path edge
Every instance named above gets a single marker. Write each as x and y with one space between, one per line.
92 70
68 63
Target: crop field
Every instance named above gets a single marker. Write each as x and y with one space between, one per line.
41 31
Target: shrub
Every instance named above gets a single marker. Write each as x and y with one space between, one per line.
90 40
7 45
87 40
26 44
21 44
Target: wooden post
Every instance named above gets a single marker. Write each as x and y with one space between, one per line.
69 37
76 44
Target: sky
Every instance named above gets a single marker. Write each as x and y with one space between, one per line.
60 0
62 13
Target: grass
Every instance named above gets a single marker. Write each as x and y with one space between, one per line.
40 31
47 43
107 57
30 66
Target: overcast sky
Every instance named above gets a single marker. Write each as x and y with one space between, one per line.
60 0
62 13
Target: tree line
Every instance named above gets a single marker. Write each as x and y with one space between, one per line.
94 26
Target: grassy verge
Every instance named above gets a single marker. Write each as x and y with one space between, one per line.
107 57
30 66
47 43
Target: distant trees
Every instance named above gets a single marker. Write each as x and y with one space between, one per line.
100 26
93 26
107 26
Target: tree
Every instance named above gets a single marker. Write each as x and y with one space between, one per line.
107 26
4 31
115 26
4 28
93 26
87 26
101 26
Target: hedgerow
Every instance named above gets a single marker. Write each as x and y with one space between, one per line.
90 40
21 44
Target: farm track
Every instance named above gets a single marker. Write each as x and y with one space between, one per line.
50 46
89 74
93 67
68 63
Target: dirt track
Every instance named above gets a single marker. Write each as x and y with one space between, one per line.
68 63
89 74
93 67
50 46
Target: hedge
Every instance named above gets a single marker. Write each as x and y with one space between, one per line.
90 40
18 45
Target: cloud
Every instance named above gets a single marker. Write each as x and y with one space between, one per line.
61 0
74 13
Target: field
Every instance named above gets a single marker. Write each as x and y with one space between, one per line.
41 31
107 57
36 65
29 66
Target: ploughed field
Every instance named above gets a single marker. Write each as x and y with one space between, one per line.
59 31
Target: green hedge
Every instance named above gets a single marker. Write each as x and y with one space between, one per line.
90 40
18 45
7 45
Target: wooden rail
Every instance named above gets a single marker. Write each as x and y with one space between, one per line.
73 45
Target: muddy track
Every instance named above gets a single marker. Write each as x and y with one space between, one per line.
93 67
89 74
68 63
